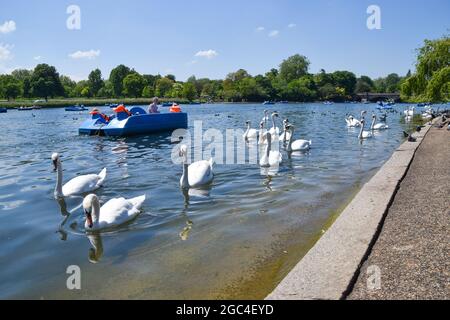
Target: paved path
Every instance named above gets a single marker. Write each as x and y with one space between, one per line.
412 251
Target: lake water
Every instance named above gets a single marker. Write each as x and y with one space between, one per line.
238 242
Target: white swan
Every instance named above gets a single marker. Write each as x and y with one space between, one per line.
262 134
196 174
286 135
274 131
250 134
297 145
113 213
364 134
378 126
352 122
265 119
270 157
409 112
78 185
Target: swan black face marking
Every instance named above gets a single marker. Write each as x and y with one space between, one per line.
88 218
55 165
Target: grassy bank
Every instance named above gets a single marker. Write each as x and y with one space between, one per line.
56 103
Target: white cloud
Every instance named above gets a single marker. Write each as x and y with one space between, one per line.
209 54
37 58
7 27
259 29
274 33
292 25
91 54
5 51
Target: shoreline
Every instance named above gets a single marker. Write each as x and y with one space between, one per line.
331 267
63 103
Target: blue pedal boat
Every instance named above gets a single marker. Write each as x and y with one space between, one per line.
137 122
3 110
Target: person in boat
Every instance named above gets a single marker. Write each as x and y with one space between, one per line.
153 108
95 111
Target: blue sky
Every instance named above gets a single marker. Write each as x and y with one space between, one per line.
165 36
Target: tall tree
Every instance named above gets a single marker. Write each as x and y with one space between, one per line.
45 82
116 78
294 67
345 80
133 85
95 81
163 86
189 91
10 87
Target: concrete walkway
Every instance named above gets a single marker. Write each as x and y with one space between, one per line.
412 252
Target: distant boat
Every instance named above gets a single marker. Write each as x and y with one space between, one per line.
25 108
283 102
195 103
36 107
167 104
268 102
76 108
3 110
328 102
113 105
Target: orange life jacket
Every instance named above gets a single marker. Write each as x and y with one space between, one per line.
122 108
175 108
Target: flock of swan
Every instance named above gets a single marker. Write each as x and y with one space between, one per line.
118 211
364 134
269 139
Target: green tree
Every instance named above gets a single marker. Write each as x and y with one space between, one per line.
151 80
45 82
176 91
95 81
250 90
429 79
24 77
294 67
303 89
148 92
106 91
364 84
345 80
392 82
322 78
133 85
171 77
116 78
68 85
10 87
439 84
163 86
189 91
86 92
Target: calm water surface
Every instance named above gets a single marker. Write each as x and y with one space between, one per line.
238 242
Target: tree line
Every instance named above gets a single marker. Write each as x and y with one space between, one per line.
291 81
